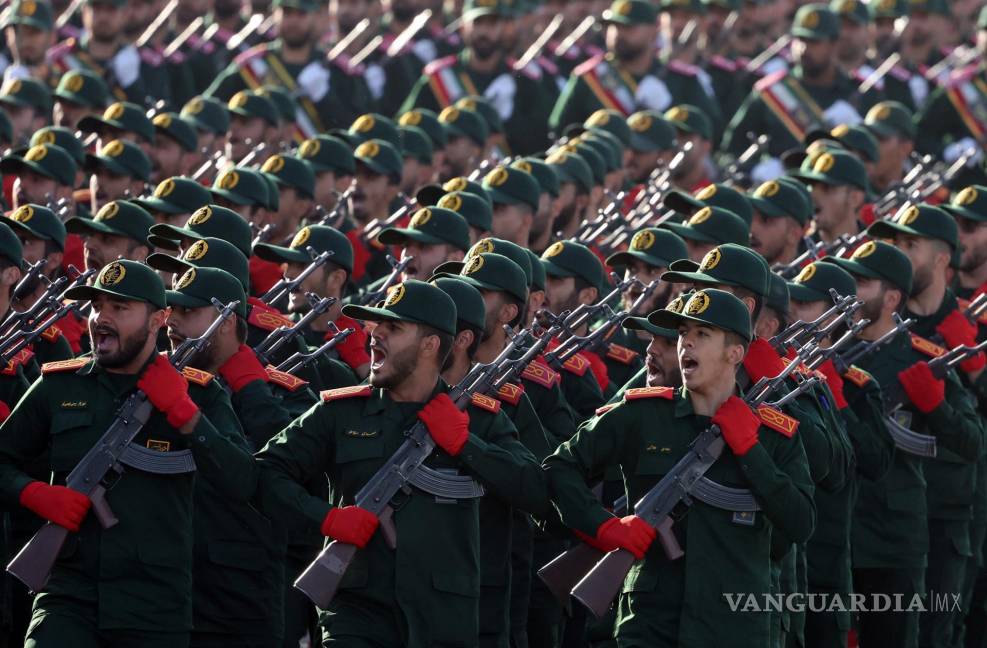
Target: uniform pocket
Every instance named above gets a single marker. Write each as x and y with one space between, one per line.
350 449
453 582
71 438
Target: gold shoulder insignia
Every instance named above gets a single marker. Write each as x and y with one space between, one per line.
510 393
486 403
621 354
197 376
52 333
857 376
268 320
346 392
638 393
576 364
284 379
926 347
778 420
541 374
64 365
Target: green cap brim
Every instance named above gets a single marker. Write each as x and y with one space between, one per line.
400 236
280 254
644 145
93 160
16 163
556 270
19 226
676 276
681 202
624 257
88 293
965 213
642 324
766 208
498 196
162 242
374 314
802 293
167 263
690 233
79 225
232 197
888 229
374 166
156 204
853 267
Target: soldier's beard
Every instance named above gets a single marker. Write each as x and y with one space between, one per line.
484 48
871 309
398 365
626 51
972 259
127 348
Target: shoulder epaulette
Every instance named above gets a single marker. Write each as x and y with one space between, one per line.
576 365
250 54
901 73
548 65
52 333
770 80
857 376
22 358
284 379
637 393
486 403
541 374
268 320
61 49
439 64
510 393
352 391
150 57
926 347
778 420
724 63
621 354
683 68
588 65
603 409
64 365
197 376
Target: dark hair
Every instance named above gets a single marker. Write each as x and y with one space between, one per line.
746 293
445 341
733 338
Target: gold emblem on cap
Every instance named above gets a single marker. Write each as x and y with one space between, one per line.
229 180
301 238
864 250
112 274
810 20
466 103
847 6
108 211
112 149
394 295
200 216
28 7
697 304
74 82
197 251
239 100
367 150
622 8
273 164
711 260
46 136
482 246
421 217
451 201
885 5
473 265
599 118
114 111
410 118
11 87
823 163
677 114
880 112
456 184
643 240
497 177
363 123
185 280
705 193
309 148
840 130
701 216
23 214
554 250
162 120
523 165
965 197
767 189
449 115
639 122
194 106
675 305
164 188
559 157
36 153
808 272
908 216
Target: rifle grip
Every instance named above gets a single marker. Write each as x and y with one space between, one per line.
669 543
387 527
101 508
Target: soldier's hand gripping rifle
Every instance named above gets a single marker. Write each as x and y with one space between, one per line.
106 458
595 578
322 577
278 339
284 286
397 267
299 360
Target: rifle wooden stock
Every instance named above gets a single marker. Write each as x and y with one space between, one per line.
36 559
598 589
568 568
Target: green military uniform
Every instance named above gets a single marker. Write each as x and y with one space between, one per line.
426 591
667 602
131 583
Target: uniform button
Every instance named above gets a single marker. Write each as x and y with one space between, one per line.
202 439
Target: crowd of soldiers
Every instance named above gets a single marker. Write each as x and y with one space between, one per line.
496 323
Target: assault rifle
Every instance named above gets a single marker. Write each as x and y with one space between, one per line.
299 360
863 348
34 562
285 286
279 338
397 267
796 332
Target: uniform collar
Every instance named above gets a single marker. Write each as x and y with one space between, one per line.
380 401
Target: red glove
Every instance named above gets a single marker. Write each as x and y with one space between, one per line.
448 426
762 361
242 368
4 411
630 533
59 504
835 382
956 329
350 525
738 423
167 390
924 390
352 350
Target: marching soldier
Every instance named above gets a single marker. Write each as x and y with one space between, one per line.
44 172
781 215
893 127
174 200
121 171
118 231
79 94
27 103
29 31
175 143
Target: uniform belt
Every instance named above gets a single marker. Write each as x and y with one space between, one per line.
158 463
447 484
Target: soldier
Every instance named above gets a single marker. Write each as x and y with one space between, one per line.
429 122
515 194
211 120
120 171
44 172
118 231
79 94
416 150
890 532
466 145
174 200
709 227
175 143
839 188
692 126
652 144
787 105
294 62
970 211
714 330
433 236
575 185
715 195
376 182
540 234
122 120
893 127
331 160
296 190
435 593
29 32
254 124
473 208
105 590
27 103
629 77
781 215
